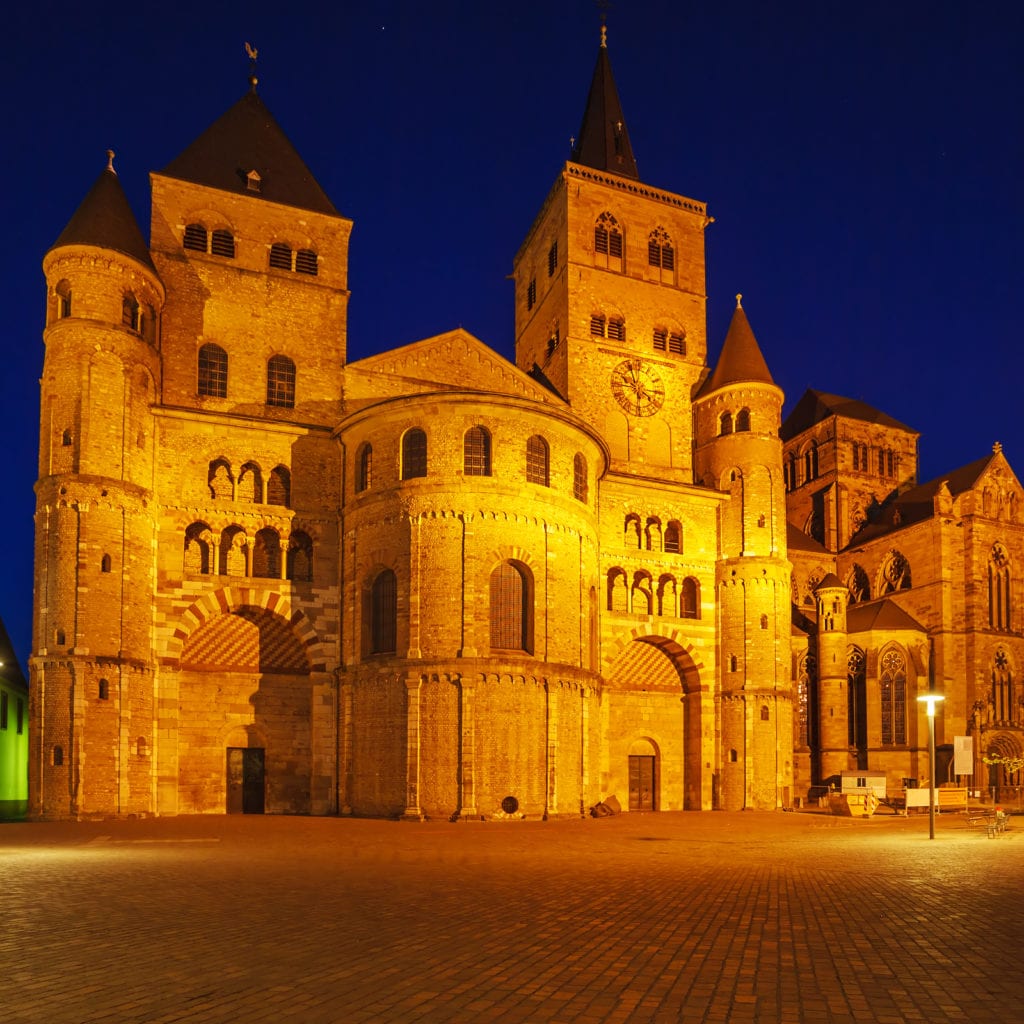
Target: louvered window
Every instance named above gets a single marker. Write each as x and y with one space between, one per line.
281 382
414 454
306 262
597 326
531 294
552 258
537 461
195 237
615 244
280 256
383 613
677 344
509 612
660 339
659 250
617 330
601 239
477 452
213 371
222 243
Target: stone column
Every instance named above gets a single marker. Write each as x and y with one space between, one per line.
412 749
467 749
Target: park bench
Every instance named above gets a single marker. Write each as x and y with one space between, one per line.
992 823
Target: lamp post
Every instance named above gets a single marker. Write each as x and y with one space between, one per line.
931 699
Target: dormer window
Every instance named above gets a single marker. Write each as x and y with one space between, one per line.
253 182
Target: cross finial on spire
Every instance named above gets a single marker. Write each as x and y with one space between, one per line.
739 301
997 448
110 160
604 6
253 54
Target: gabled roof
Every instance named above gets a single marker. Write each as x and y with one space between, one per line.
604 141
105 219
245 139
741 360
815 406
884 614
797 540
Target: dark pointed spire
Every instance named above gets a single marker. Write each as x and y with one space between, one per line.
604 141
741 360
245 151
105 219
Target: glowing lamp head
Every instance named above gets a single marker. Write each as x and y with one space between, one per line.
931 699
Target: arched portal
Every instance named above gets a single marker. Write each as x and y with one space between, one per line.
655 700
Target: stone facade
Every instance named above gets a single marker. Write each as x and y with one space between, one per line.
430 583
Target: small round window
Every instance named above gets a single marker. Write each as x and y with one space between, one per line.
510 805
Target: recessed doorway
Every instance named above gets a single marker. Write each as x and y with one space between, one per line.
246 780
641 783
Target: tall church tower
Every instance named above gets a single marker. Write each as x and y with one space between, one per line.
737 413
94 513
610 295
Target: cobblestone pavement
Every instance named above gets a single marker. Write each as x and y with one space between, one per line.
742 918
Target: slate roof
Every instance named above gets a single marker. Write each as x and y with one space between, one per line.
884 614
741 360
815 406
797 540
105 219
247 138
603 142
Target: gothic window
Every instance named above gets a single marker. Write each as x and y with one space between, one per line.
858 584
791 464
279 487
999 589
895 574
266 555
364 468
531 294
618 597
213 371
414 454
104 690
476 452
617 329
198 549
384 613
222 243
219 480
537 456
811 462
300 557
510 607
281 382
196 237
893 686
608 242
281 256
806 693
690 599
131 314
673 537
725 424
743 420
1005 711
63 292
552 258
580 487
659 250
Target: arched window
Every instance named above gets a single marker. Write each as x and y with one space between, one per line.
306 262
234 552
791 466
57 756
279 487
300 557
999 588
673 537
631 531
742 420
580 486
618 594
642 597
659 250
250 484
222 243
858 584
105 563
131 316
765 713
266 555
104 690
597 325
652 534
213 371
690 599
364 468
384 613
510 608
476 452
893 686
198 548
608 242
725 424
281 382
281 256
63 292
220 481
811 462
537 461
668 597
414 454
764 621
734 664
617 328
196 237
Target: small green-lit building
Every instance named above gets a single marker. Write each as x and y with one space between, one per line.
13 733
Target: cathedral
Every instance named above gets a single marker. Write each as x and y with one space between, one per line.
433 584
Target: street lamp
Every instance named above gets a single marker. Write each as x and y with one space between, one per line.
931 699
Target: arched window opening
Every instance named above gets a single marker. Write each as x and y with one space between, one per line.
668 597
725 424
281 256
414 454
131 315
811 462
476 452
580 486
384 613
364 468
250 484
893 685
999 589
643 594
608 242
617 328
222 243
631 531
1005 708
220 480
743 420
300 557
734 663
266 555
281 382
732 757
234 552
57 756
858 584
279 487
307 262
652 534
618 595
895 574
659 250
597 325
198 548
690 598
765 713
104 690
196 237
792 466
510 617
537 461
673 537
764 621
105 563
63 293
213 371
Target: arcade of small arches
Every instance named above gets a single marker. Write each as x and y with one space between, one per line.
232 552
728 424
642 594
251 485
652 535
137 316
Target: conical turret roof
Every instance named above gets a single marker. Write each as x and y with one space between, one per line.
245 139
741 361
604 141
105 219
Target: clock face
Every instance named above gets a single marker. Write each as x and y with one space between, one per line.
637 388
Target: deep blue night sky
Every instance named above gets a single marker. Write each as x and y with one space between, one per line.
864 165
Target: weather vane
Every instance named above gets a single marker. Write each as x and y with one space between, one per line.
604 6
253 54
